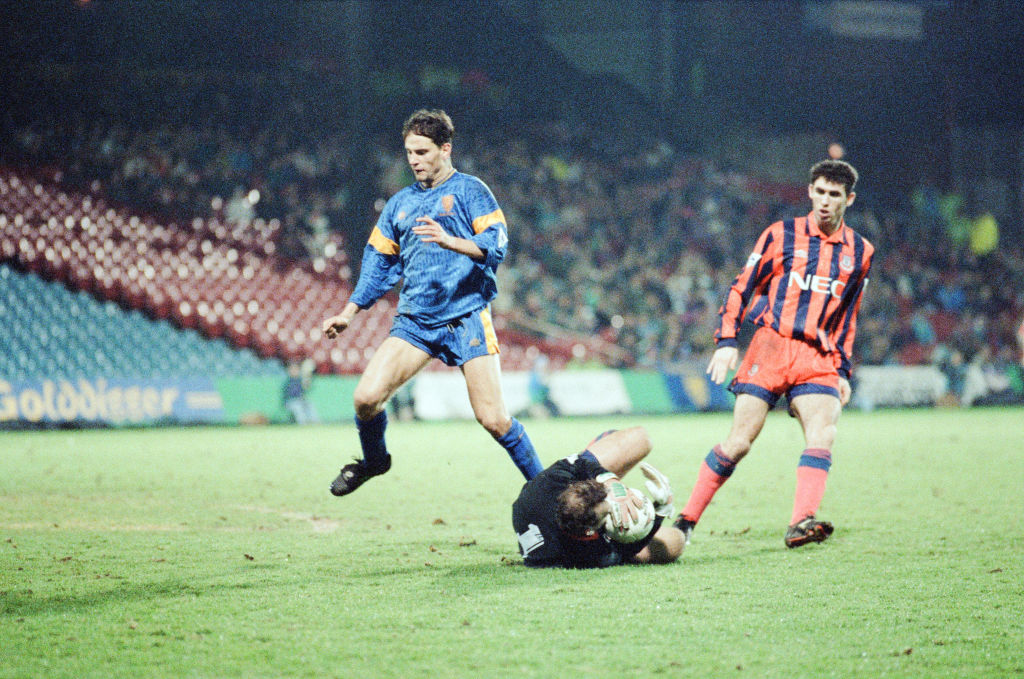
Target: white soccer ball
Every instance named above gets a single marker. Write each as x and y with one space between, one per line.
634 530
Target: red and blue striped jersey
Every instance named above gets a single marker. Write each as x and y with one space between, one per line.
802 284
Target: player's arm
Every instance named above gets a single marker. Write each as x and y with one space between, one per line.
430 231
381 268
849 333
478 212
722 362
626 499
335 325
753 279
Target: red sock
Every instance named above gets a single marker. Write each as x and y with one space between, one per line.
714 471
811 475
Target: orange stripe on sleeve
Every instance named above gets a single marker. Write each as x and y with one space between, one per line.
382 243
481 224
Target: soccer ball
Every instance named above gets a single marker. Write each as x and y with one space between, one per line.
635 530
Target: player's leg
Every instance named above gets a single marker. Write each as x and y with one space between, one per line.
394 363
818 414
665 547
483 383
748 418
619 451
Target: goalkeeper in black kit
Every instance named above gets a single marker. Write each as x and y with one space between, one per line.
578 514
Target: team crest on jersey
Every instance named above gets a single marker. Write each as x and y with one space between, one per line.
401 215
447 203
846 263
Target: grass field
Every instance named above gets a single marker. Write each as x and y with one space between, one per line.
217 552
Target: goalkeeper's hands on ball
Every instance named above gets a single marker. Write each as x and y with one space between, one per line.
659 489
626 503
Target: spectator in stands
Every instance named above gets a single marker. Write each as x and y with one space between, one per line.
239 209
296 400
1020 340
571 232
539 389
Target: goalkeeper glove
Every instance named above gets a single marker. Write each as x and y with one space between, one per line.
625 505
659 489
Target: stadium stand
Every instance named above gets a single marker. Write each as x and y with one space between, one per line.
54 333
222 282
622 244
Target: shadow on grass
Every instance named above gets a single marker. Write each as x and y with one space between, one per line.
510 569
19 604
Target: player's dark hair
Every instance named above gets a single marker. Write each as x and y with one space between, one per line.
433 124
577 506
837 172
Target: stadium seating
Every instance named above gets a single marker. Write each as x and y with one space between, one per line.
224 282
52 332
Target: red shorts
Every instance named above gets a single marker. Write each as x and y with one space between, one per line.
777 366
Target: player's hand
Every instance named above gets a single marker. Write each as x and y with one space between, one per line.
430 231
659 489
628 501
722 361
845 391
335 325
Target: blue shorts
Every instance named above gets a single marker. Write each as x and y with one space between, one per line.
454 343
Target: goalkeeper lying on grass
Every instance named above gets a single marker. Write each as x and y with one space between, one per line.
578 514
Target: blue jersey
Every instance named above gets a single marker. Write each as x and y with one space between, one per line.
440 285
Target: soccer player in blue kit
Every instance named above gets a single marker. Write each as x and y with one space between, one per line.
445 236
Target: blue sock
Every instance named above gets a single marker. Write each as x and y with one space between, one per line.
520 449
371 437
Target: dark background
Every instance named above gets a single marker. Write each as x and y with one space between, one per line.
701 72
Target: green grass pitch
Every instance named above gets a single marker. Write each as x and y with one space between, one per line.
218 552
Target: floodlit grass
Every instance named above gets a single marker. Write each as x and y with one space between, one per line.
217 552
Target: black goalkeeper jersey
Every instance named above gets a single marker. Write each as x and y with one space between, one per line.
534 517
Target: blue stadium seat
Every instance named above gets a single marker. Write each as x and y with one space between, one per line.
50 332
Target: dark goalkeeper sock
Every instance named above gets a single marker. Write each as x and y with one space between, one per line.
520 449
371 438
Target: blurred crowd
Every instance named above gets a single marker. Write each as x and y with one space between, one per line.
627 238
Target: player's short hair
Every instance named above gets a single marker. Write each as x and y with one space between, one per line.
577 506
434 124
837 172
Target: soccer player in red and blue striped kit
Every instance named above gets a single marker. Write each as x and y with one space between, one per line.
802 288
